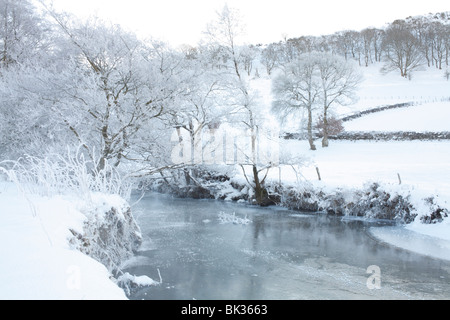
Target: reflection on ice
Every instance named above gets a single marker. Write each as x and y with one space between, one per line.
135 262
413 241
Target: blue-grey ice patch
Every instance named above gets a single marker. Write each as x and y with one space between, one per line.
413 241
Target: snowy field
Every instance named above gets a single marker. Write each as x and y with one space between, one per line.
424 164
427 85
417 118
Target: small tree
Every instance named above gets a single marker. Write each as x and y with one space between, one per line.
339 80
297 89
270 57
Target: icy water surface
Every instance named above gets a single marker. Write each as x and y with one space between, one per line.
199 253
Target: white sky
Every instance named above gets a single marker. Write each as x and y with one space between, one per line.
183 21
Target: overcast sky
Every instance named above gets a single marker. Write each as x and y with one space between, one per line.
183 21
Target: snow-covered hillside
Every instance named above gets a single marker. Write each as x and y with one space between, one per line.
422 117
377 89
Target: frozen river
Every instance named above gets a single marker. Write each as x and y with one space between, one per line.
199 253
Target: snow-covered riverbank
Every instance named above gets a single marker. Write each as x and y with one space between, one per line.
37 261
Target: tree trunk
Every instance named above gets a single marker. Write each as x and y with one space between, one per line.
325 128
310 136
261 194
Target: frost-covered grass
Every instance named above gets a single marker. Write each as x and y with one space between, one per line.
70 173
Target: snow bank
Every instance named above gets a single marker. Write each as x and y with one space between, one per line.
37 260
374 200
129 282
110 234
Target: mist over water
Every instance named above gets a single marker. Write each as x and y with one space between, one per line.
280 254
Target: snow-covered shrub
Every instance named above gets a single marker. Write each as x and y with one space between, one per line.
129 282
381 202
374 200
434 212
334 126
197 182
110 233
302 197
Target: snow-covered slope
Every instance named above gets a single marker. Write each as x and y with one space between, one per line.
37 262
377 89
426 117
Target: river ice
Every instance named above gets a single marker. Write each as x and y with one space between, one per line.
280 254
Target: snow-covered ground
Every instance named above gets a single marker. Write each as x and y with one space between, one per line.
426 117
37 262
424 164
377 89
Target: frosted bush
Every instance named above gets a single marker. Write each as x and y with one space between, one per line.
69 173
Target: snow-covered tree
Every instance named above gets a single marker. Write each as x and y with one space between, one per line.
402 49
224 32
106 91
297 89
22 32
338 83
316 80
270 57
201 108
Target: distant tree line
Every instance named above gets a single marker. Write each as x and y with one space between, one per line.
402 45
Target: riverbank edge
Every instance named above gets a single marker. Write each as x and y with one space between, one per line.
375 200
